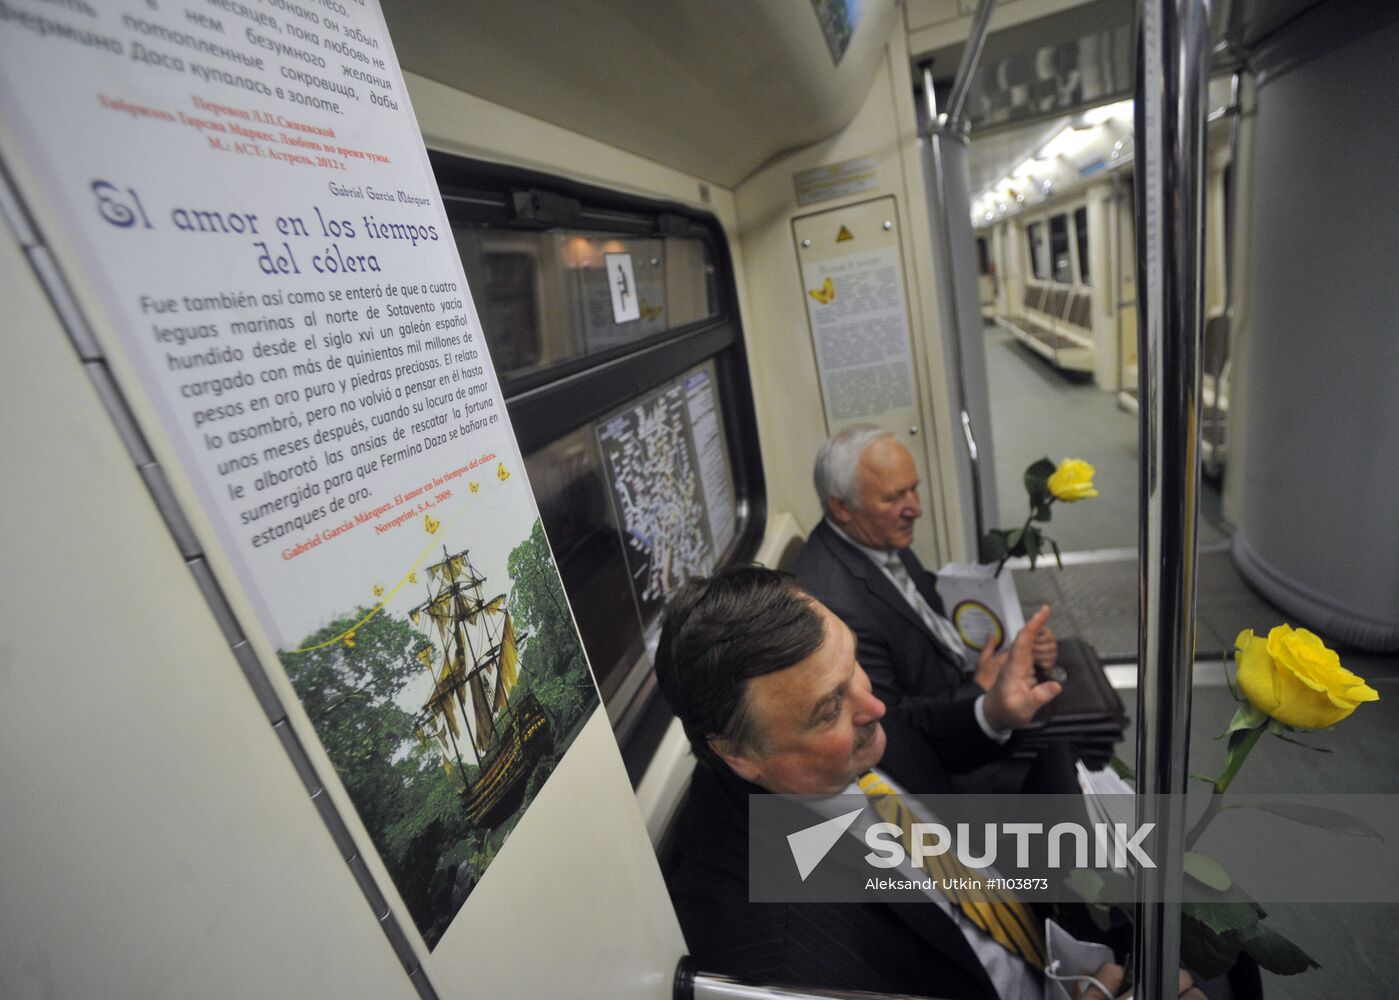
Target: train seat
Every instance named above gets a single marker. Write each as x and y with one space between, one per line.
1056 324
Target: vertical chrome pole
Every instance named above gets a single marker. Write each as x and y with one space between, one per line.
937 131
1171 102
971 55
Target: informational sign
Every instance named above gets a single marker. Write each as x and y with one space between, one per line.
239 196
836 180
621 281
852 284
670 482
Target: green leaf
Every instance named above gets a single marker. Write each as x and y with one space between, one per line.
1014 541
1043 511
1222 917
1204 777
993 546
1037 478
1033 543
1204 951
1207 870
1086 882
1317 816
1123 769
1101 915
1247 717
1274 952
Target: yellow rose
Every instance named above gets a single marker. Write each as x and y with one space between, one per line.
1294 678
1073 480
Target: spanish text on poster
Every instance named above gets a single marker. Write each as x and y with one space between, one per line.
240 194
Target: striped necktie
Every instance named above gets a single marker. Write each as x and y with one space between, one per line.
943 629
998 913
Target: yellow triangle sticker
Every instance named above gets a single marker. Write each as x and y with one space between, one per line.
844 234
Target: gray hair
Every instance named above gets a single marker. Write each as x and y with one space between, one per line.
838 461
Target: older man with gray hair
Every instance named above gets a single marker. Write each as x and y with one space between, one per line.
857 562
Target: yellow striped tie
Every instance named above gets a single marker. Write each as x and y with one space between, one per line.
1003 916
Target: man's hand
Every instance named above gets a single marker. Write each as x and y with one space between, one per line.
989 663
1110 975
1014 698
1046 649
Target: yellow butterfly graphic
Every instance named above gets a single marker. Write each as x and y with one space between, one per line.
648 311
425 656
349 639
412 577
431 524
826 293
501 472
475 487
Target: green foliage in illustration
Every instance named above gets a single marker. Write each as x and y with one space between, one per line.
557 669
410 804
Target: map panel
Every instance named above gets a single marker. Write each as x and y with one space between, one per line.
652 464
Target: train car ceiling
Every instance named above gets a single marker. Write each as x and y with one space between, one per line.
713 89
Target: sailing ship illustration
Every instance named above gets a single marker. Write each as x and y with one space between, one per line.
475 708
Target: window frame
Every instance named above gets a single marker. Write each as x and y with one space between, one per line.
1036 233
547 403
1083 274
1068 248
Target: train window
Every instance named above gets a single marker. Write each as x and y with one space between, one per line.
545 298
983 256
1059 248
637 426
1081 238
1034 235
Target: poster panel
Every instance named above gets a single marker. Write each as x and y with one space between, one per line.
856 306
240 196
852 284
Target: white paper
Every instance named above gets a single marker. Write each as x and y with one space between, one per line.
621 282
860 328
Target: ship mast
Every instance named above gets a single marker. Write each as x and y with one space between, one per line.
456 606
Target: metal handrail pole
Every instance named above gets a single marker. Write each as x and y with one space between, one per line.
691 983
971 55
934 135
1171 102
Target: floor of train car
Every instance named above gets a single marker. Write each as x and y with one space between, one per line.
1037 411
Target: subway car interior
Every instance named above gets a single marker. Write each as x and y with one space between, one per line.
1007 175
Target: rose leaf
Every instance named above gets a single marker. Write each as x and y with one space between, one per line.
1207 870
1274 952
1317 816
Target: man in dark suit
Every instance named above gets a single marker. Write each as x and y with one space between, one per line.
858 564
766 683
